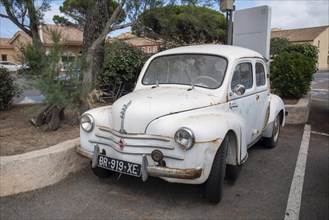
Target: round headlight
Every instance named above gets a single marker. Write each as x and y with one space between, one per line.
184 137
87 122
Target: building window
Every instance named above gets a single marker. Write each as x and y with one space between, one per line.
154 49
3 57
149 49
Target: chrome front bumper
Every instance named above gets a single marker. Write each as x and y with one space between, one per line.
147 170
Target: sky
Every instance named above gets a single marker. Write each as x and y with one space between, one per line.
286 14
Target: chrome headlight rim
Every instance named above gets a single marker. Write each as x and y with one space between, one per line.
191 138
91 122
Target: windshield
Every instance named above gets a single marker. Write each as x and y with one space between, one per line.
187 69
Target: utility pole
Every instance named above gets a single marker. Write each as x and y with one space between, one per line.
228 7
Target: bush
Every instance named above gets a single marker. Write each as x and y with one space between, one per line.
308 50
8 89
45 73
278 45
121 68
292 74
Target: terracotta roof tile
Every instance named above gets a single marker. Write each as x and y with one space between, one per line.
299 35
4 43
70 35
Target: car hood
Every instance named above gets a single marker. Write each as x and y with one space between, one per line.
136 110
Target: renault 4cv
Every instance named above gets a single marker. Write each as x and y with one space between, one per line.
191 118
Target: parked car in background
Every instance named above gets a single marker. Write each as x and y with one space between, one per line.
10 66
193 115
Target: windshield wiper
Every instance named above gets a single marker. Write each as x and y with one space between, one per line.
156 84
192 86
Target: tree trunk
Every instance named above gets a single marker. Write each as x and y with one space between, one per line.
34 24
93 42
49 118
95 23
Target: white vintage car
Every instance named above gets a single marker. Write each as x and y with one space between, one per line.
193 115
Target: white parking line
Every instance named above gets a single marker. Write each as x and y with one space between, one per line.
296 189
320 133
320 90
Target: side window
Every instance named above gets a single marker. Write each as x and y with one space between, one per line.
242 75
260 74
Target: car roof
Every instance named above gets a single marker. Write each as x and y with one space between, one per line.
230 52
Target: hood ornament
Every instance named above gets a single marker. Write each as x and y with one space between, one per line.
122 144
123 115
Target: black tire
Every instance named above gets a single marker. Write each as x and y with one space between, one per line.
101 173
215 183
273 140
232 172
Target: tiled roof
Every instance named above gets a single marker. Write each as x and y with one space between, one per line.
132 39
299 35
140 42
4 43
72 36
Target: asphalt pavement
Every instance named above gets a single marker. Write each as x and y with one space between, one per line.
261 192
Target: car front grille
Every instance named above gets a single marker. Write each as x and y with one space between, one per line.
137 144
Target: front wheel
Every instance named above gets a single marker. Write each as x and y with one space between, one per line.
273 140
215 182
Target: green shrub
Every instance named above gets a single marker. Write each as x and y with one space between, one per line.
8 89
306 49
278 45
291 74
122 65
46 76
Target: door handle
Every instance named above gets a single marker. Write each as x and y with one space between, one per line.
233 105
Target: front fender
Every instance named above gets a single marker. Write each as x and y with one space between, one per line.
209 130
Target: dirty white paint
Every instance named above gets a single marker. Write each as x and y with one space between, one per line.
296 189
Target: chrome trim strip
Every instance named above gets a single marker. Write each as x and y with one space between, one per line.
135 145
134 136
131 153
123 115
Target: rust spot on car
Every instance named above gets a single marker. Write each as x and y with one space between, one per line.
102 126
158 171
215 141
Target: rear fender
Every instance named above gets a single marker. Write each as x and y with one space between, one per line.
276 108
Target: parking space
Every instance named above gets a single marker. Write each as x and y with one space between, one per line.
261 192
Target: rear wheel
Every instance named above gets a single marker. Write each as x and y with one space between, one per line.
273 140
101 173
215 182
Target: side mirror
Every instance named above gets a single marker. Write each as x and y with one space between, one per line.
239 89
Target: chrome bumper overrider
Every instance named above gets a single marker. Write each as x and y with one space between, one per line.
147 170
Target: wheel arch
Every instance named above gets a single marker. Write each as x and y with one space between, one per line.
233 150
276 108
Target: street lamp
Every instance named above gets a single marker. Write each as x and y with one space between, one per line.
228 7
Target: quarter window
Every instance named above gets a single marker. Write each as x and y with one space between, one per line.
242 75
260 74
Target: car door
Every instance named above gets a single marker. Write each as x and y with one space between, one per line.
262 95
243 104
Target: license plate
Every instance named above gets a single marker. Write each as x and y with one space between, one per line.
119 166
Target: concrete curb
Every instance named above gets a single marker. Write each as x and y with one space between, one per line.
40 168
298 114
